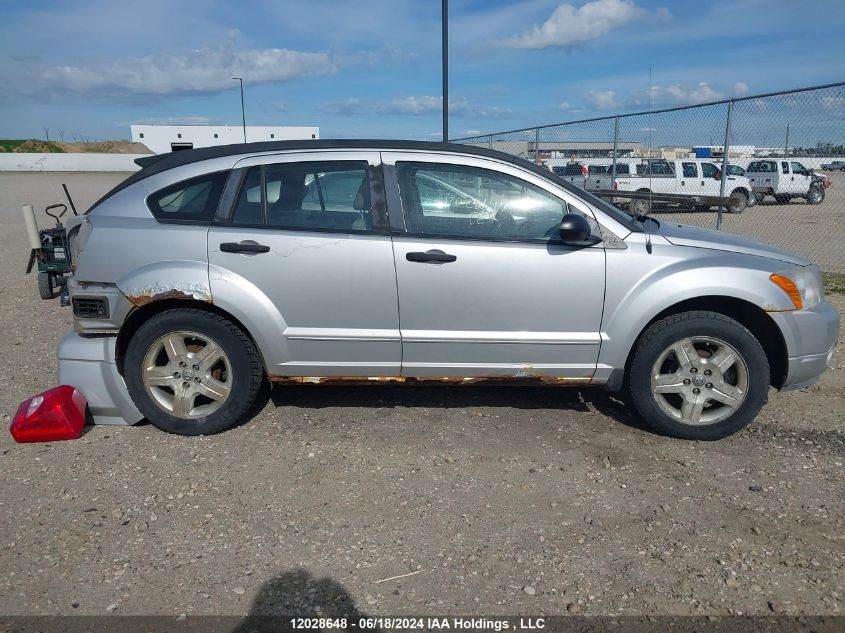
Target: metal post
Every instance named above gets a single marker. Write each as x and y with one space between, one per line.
243 111
786 144
444 44
490 142
615 147
726 151
537 145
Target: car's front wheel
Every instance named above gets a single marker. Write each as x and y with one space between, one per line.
698 375
192 372
815 195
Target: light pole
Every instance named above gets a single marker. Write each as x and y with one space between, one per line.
243 112
444 43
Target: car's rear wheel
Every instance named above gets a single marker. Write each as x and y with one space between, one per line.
740 202
698 375
192 372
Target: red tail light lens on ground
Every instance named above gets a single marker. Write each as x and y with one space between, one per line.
56 414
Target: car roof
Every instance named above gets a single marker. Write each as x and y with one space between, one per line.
158 163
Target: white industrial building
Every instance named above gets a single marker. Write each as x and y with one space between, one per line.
170 138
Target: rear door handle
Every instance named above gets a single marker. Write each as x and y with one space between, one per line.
247 246
433 255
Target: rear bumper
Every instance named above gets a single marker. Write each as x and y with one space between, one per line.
810 337
87 363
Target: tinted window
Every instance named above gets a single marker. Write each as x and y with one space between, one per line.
798 168
572 169
709 170
190 200
621 168
594 170
655 168
784 166
332 196
469 202
690 170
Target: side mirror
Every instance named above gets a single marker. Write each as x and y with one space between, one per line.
576 231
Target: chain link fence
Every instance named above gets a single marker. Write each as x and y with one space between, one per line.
780 157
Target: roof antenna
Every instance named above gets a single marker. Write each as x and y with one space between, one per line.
650 167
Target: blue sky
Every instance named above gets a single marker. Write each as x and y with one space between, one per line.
371 68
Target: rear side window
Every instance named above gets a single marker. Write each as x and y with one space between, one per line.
327 196
572 169
189 201
690 170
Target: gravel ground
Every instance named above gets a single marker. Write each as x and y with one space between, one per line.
493 500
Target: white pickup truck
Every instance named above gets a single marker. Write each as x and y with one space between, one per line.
784 179
689 177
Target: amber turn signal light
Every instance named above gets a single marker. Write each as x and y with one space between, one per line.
789 287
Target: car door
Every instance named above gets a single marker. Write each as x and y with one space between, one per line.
307 234
710 180
486 288
800 179
689 177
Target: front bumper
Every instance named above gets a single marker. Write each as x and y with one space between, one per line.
87 363
810 337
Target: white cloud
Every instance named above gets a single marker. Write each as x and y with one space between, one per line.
204 70
564 105
569 25
740 89
601 99
685 94
412 106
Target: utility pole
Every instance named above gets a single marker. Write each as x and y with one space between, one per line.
243 111
444 44
786 144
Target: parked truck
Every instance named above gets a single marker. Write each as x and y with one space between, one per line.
785 180
660 176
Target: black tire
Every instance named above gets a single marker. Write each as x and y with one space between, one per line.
740 202
640 206
45 285
782 199
815 195
701 208
664 333
246 368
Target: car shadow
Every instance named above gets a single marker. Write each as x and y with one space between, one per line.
298 594
427 396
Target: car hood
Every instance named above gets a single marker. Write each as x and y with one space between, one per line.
683 235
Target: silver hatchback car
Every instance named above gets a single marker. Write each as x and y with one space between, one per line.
210 271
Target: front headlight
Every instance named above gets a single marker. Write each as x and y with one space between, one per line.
802 284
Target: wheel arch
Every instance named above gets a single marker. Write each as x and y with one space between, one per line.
749 315
145 312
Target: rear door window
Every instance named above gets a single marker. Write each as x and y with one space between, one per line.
327 196
690 170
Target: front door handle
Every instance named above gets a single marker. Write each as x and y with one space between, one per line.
247 246
433 255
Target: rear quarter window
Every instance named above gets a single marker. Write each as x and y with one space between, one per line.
189 201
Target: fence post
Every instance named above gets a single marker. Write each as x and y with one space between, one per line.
726 151
490 142
615 146
537 145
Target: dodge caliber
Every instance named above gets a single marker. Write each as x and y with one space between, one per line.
211 271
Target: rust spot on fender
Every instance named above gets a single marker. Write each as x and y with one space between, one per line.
141 297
